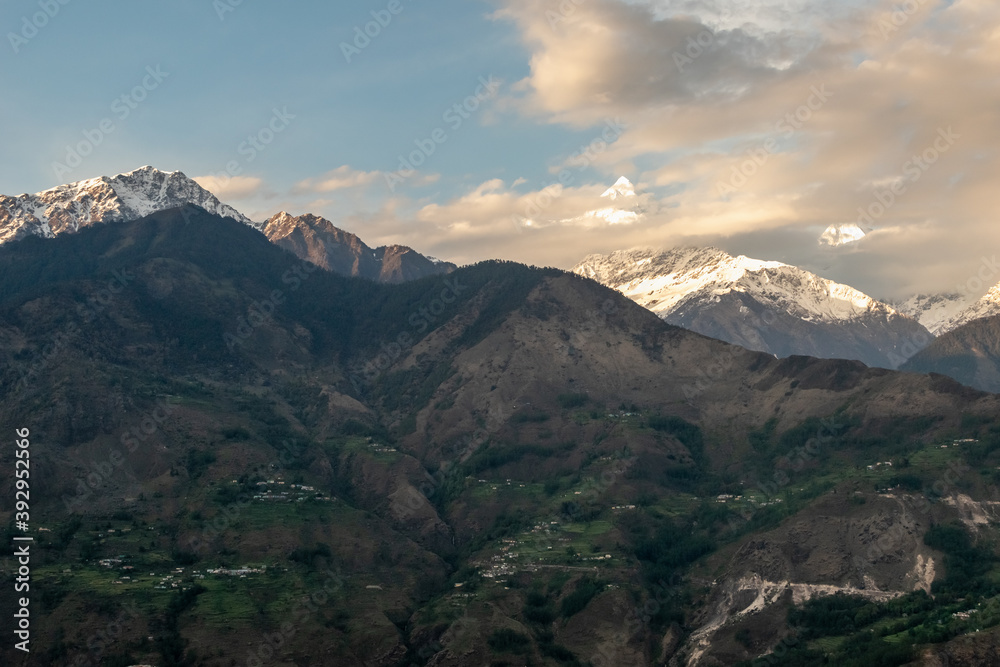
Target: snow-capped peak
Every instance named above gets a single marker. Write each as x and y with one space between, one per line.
628 207
987 306
838 235
621 189
666 281
127 196
937 312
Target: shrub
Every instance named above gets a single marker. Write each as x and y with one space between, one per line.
506 640
558 652
529 417
236 433
571 400
576 601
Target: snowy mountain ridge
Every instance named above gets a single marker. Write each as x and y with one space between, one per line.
987 306
938 312
942 313
760 305
622 189
68 208
666 281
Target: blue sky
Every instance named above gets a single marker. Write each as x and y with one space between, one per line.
755 126
227 74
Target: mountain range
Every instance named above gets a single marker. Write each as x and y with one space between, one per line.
535 468
764 306
761 305
132 195
938 313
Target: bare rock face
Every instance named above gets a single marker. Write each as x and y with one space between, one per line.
872 549
317 240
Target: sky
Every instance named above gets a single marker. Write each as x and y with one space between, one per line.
479 129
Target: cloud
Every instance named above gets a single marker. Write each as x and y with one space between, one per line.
753 126
228 188
608 57
554 226
341 178
346 178
782 118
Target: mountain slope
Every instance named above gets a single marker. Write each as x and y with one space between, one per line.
764 306
497 465
969 353
128 196
317 240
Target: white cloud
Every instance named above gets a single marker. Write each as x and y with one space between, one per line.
347 178
341 178
712 88
725 128
228 188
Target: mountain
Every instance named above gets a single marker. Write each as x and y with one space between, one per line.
845 234
937 312
620 204
239 454
69 208
621 190
969 353
764 306
317 240
129 196
942 313
987 306
625 206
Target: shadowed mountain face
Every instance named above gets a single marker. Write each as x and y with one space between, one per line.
317 240
490 465
970 354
